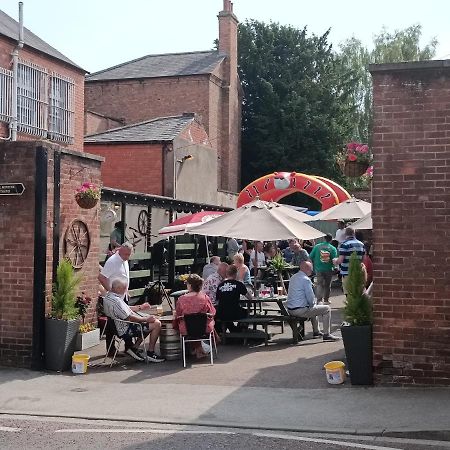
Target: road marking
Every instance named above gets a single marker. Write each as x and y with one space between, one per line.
324 441
10 429
138 430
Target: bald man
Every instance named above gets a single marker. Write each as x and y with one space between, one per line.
211 267
302 303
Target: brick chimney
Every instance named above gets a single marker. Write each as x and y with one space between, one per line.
229 148
228 24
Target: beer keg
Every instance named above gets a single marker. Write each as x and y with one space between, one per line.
169 340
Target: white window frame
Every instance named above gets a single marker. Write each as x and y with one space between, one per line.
61 109
6 87
32 99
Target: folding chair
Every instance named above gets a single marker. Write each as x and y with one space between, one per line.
196 332
116 339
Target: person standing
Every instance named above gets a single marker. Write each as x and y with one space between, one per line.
322 256
211 267
350 245
301 302
116 237
232 248
340 232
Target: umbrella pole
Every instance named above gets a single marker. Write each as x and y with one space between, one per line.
207 250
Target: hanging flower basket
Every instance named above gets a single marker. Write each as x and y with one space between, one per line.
87 195
354 159
86 203
355 169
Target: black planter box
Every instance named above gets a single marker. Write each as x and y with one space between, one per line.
358 350
60 341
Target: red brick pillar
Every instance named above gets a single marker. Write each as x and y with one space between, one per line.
29 226
411 222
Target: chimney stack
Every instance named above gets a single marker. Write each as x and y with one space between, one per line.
228 24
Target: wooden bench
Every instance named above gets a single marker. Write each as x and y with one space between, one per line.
248 334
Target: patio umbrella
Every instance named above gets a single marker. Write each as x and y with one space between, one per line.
352 208
183 224
260 221
365 223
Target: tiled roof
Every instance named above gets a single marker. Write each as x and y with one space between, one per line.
166 65
155 130
10 28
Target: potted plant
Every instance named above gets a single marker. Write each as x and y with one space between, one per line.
276 266
61 327
357 332
354 159
88 335
87 195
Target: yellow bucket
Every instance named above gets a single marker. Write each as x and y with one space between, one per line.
80 363
335 371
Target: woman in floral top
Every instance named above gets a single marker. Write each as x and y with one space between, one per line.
191 303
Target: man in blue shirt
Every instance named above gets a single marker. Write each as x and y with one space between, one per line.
302 303
350 245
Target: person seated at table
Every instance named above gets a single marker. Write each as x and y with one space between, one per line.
302 303
243 271
212 282
300 255
288 252
257 257
211 267
195 301
270 251
246 249
228 295
115 307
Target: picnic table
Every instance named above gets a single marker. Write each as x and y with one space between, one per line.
257 303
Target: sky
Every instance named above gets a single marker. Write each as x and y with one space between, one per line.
97 34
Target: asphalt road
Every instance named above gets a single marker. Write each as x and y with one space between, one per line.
19 432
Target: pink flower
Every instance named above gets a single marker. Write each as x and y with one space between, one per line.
363 149
351 146
352 157
369 171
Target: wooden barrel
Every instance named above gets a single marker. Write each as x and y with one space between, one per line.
169 340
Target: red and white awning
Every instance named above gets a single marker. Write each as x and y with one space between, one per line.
186 223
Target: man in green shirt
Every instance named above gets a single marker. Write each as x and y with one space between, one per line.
322 256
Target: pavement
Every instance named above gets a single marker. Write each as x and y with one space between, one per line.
280 387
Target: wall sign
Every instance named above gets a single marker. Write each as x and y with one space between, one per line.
11 188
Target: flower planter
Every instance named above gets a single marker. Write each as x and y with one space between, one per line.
358 350
86 202
355 169
60 340
88 340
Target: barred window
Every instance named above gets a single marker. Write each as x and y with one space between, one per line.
6 81
32 99
61 111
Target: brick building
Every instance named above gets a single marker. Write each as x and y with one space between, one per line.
411 218
168 156
50 89
205 83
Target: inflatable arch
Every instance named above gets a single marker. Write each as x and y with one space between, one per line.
277 185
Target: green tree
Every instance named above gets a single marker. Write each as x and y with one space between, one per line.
298 105
398 46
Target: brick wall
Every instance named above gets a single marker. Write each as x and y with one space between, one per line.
51 64
132 167
17 227
96 123
17 164
411 218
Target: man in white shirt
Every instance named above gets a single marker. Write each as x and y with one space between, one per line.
257 257
117 267
340 232
211 267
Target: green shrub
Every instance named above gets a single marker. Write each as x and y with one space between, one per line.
357 306
65 292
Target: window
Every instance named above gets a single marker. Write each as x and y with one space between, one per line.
32 99
61 111
6 78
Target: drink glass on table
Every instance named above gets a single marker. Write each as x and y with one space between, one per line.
279 290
